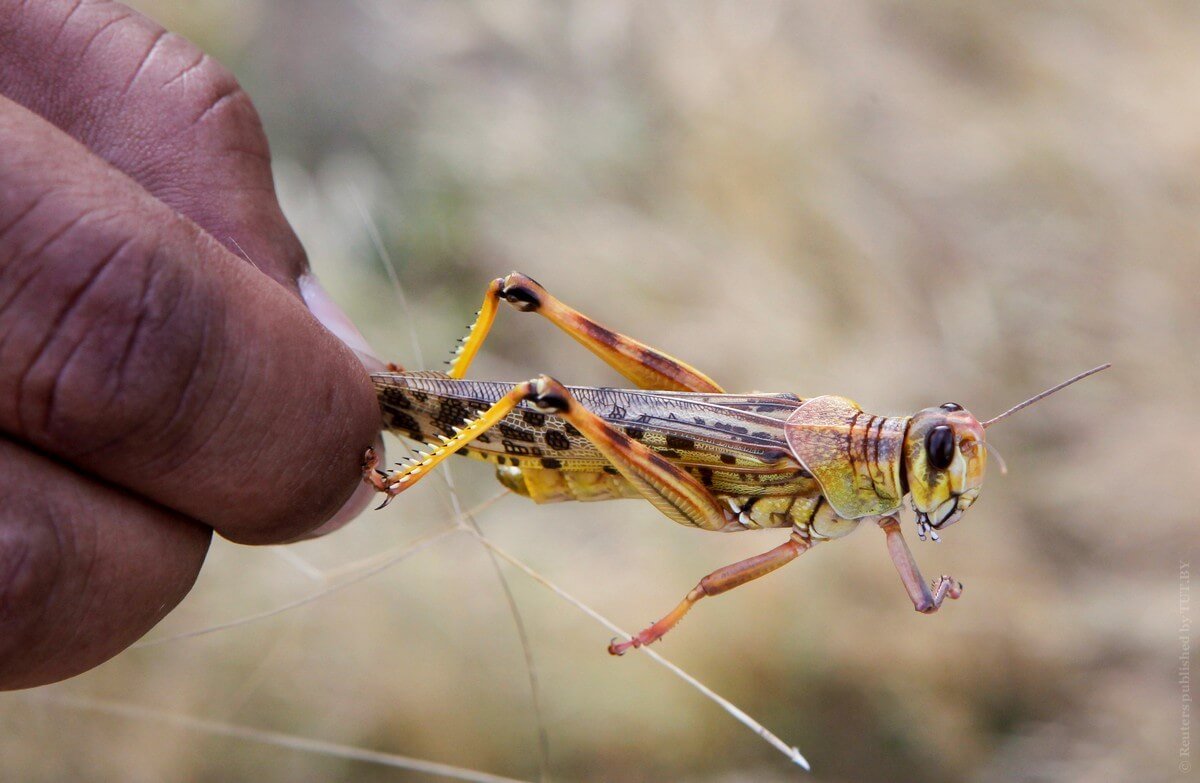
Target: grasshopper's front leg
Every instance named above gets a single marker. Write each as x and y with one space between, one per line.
926 598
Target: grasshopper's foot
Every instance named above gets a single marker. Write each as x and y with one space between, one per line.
653 633
945 587
656 630
952 587
377 478
620 646
650 635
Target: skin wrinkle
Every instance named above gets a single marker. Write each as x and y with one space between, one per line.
75 302
143 61
144 305
171 460
100 31
162 320
184 402
33 204
168 458
31 275
63 24
183 74
57 234
50 335
231 417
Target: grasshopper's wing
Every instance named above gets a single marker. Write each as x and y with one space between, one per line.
830 437
728 433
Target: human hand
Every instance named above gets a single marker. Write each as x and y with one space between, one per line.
154 383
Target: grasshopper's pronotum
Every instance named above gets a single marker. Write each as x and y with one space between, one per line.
707 459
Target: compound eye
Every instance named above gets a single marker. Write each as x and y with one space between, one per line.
950 407
939 444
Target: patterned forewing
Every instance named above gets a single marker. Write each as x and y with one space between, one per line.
732 443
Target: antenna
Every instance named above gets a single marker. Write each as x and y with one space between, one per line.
1046 393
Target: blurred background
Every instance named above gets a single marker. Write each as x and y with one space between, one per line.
904 203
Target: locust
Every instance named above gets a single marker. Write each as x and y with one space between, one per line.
818 467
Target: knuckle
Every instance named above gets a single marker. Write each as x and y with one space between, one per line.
81 380
209 98
176 68
215 95
192 89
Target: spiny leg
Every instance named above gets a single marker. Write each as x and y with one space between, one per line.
477 332
926 598
647 367
415 468
719 581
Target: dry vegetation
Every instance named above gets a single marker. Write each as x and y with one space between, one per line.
901 202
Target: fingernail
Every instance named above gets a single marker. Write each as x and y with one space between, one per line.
332 318
321 305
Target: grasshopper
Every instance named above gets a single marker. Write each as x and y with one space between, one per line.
707 459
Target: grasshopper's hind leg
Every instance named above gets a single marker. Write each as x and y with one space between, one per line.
670 489
647 367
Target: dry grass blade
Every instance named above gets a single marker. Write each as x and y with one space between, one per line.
793 753
406 551
465 520
467 523
275 738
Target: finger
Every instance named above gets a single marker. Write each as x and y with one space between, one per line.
139 349
157 108
85 569
174 119
132 93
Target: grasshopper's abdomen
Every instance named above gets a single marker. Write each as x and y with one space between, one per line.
555 486
732 444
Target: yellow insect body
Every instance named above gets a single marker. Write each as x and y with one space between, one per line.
705 458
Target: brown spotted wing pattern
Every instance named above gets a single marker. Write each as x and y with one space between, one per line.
732 443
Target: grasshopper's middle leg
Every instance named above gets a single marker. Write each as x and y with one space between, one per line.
647 367
719 581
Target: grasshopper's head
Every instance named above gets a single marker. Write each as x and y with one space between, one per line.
944 459
945 455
